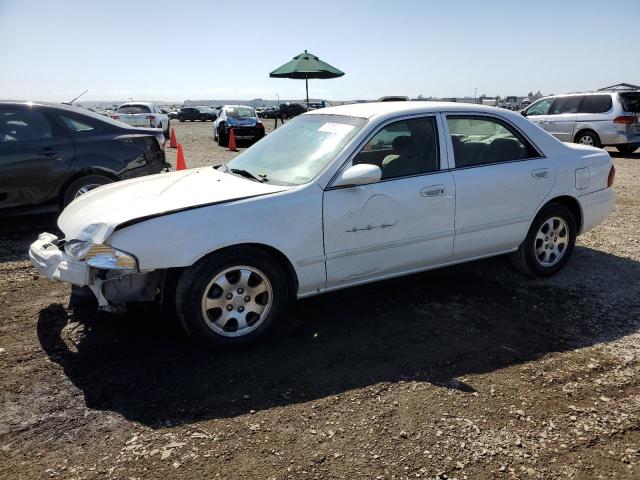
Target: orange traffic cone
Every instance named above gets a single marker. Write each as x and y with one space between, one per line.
232 142
180 165
173 143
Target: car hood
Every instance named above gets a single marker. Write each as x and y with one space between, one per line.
96 214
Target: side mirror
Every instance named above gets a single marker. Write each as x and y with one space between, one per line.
523 112
361 174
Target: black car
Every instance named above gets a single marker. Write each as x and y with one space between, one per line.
269 112
290 110
202 114
50 154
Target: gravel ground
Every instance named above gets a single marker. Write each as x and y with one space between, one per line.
467 372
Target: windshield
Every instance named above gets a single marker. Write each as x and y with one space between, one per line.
298 151
240 112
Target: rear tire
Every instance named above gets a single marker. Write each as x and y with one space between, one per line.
627 149
223 140
231 298
167 132
548 244
588 137
83 185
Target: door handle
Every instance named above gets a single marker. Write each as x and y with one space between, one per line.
432 191
48 152
540 173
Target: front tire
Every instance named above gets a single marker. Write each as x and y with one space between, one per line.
231 298
588 137
627 149
548 244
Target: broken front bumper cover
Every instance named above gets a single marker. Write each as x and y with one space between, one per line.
55 264
112 285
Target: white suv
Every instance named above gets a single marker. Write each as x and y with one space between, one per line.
143 114
599 119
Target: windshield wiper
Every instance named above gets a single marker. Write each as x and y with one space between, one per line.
248 174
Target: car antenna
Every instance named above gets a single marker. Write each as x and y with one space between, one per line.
69 103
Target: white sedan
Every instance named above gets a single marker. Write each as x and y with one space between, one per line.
335 198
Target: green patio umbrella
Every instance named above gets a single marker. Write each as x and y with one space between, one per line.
306 66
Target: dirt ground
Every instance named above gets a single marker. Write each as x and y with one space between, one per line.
471 372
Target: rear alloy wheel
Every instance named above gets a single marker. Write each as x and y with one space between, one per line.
627 149
549 243
231 298
588 138
83 185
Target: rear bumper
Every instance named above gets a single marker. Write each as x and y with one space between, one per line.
56 265
596 207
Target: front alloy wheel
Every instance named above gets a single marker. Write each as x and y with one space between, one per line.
232 297
237 301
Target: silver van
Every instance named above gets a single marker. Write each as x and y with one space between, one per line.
599 119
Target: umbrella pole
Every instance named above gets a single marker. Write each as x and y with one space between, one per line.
306 82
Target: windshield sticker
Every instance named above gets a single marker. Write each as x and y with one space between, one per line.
340 128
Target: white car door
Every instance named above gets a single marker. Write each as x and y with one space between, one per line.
402 223
538 112
500 178
562 117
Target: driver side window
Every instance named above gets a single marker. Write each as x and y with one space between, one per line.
403 149
540 108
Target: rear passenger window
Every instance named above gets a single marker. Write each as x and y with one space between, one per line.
596 104
482 141
76 126
566 105
403 149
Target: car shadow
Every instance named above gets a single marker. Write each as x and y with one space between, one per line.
432 327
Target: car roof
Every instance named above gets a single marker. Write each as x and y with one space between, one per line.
235 106
376 109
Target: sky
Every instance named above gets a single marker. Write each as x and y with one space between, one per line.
189 49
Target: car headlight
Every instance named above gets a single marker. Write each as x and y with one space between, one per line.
103 257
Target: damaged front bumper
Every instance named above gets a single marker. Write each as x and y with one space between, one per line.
112 288
55 264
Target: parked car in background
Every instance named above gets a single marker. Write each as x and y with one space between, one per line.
375 191
290 110
244 121
173 115
598 119
209 113
51 154
142 114
393 98
269 112
317 105
193 114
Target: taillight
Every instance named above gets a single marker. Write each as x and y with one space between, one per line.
260 126
612 176
115 117
625 119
